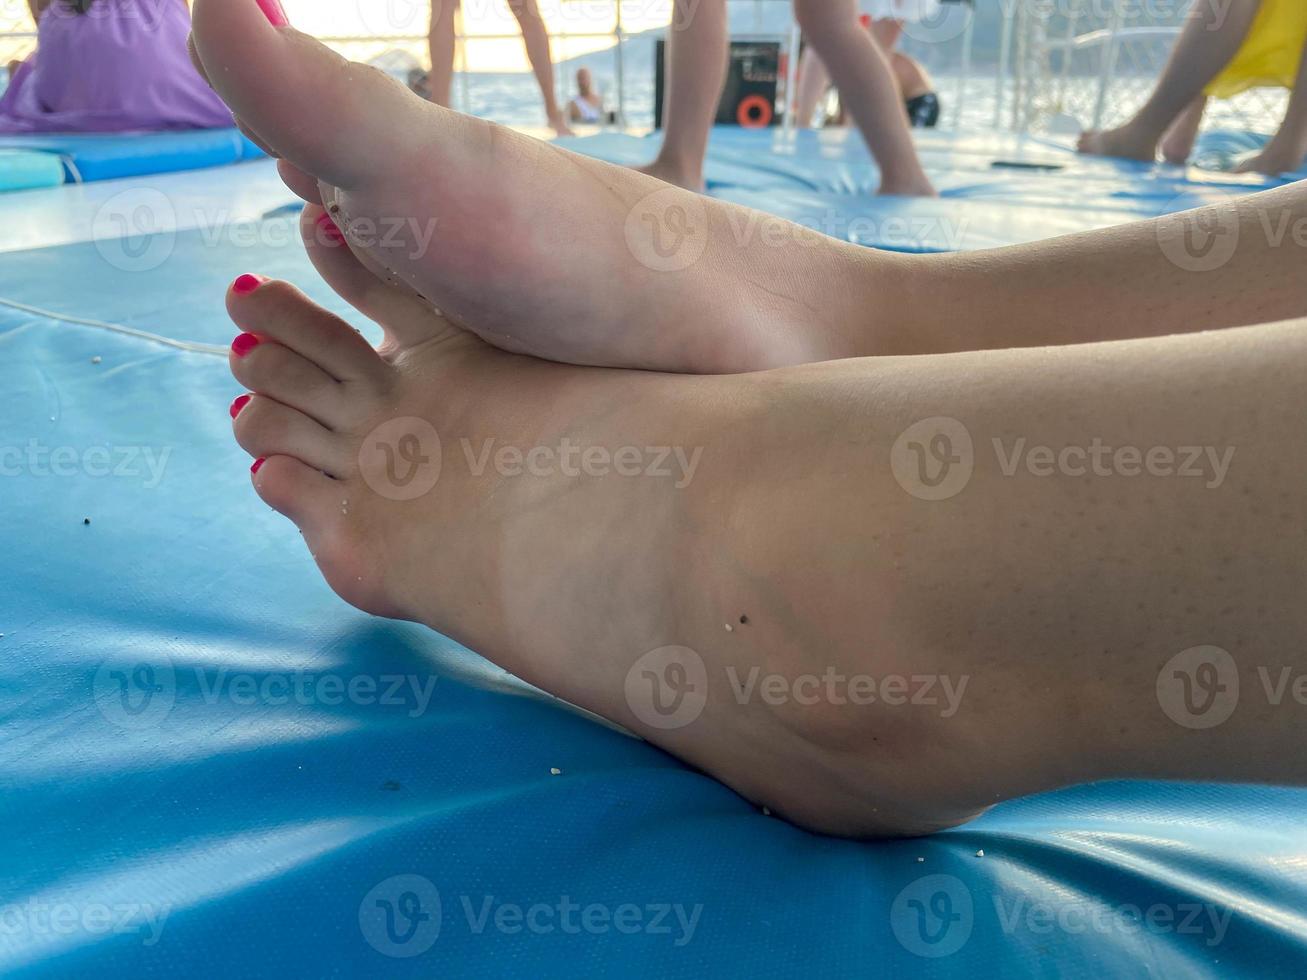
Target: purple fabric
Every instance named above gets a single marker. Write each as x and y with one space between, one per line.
120 66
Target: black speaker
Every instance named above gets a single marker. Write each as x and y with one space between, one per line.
749 96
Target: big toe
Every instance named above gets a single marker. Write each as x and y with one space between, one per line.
345 123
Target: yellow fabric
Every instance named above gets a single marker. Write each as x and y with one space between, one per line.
1270 53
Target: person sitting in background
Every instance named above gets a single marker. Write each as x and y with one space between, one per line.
109 66
915 83
588 105
1221 53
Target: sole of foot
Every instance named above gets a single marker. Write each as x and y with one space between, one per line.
536 249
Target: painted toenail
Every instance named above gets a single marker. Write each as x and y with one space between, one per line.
275 14
247 283
330 229
239 403
243 344
258 465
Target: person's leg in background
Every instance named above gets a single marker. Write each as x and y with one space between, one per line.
536 37
1211 36
868 90
813 82
697 52
1178 142
1286 150
441 41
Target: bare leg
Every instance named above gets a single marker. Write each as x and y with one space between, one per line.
1178 142
814 80
536 37
895 659
1224 266
867 89
1211 36
1285 152
697 51
441 42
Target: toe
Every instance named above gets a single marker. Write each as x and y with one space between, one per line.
407 318
306 496
277 311
278 372
278 82
265 428
302 184
319 507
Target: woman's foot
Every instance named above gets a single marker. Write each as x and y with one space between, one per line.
1124 141
1275 159
439 483
538 250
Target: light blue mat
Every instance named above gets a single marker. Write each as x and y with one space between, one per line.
110 155
22 170
196 830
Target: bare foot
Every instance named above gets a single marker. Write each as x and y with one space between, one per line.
1120 142
671 173
490 227
1274 159
914 187
559 125
1176 147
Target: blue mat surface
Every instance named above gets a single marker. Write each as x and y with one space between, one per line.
186 790
107 156
22 170
995 189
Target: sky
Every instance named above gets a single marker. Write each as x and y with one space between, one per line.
370 18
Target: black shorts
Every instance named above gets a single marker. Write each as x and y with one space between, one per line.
923 110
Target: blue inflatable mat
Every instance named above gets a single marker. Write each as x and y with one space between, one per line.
106 156
22 170
239 815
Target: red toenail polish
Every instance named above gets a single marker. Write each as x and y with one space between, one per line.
243 344
247 283
330 230
258 465
273 11
239 403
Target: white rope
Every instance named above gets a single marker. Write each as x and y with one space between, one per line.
186 345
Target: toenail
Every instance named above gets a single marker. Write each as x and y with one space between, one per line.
330 229
239 403
247 283
258 464
273 11
243 344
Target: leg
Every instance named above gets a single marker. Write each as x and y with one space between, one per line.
442 43
697 52
1211 36
1044 671
679 282
1178 141
536 38
867 90
814 80
1285 152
